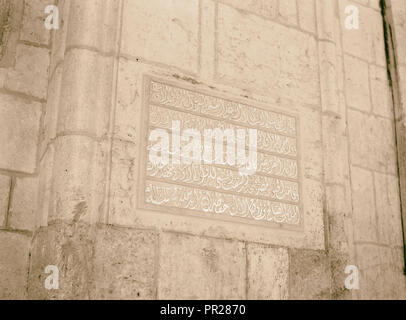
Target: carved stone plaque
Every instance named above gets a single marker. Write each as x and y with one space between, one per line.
269 195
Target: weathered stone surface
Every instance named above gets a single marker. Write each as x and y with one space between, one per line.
5 183
162 31
338 215
85 98
329 71
70 247
365 42
33 28
399 14
30 75
19 123
78 178
124 187
307 15
125 264
309 275
313 197
267 271
11 13
369 264
265 8
388 209
357 83
50 121
200 268
253 61
45 187
288 11
92 144
363 200
128 105
372 142
393 278
24 204
381 272
338 262
311 147
85 28
335 149
380 93
14 251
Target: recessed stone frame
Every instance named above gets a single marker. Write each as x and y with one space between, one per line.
177 189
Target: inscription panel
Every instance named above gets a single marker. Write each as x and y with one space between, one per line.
269 195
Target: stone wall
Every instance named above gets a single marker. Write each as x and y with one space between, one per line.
76 190
24 71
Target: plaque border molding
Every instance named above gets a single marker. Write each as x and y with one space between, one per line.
193 214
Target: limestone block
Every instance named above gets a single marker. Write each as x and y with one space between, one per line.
338 262
24 204
3 75
11 14
125 264
338 215
369 265
162 31
335 149
86 90
200 268
380 93
363 199
393 278
288 12
367 42
329 73
14 250
45 187
4 198
307 15
268 272
372 142
388 209
50 122
59 36
92 24
69 247
402 85
19 123
79 178
263 56
357 83
311 144
313 197
399 18
33 28
309 275
123 186
325 16
374 4
128 105
30 75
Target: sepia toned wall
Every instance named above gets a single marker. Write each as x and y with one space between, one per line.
76 106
